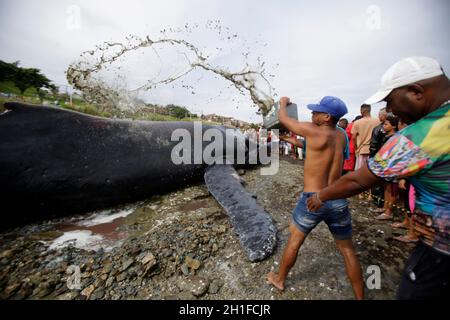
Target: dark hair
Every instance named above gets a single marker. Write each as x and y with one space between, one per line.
393 120
365 107
343 119
357 118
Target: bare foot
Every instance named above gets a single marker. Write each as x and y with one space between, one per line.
274 279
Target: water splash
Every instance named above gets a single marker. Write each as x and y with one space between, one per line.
90 73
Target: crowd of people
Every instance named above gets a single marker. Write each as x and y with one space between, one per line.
406 151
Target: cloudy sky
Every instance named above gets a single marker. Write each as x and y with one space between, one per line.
314 48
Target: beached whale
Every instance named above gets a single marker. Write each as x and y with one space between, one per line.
55 162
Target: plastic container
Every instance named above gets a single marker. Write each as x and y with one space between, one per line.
270 121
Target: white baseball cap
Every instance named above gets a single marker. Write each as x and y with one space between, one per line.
403 72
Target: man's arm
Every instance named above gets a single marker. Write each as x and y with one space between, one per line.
354 134
300 128
346 186
355 145
292 140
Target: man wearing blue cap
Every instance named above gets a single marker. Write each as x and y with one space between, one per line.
323 165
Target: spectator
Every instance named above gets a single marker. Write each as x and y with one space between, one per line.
378 133
349 164
407 195
362 132
418 91
390 127
343 123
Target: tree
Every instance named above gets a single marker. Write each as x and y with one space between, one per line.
8 70
25 78
177 111
30 77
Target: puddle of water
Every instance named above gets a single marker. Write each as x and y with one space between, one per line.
100 230
82 239
105 217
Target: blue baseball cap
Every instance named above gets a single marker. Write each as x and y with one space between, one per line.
332 105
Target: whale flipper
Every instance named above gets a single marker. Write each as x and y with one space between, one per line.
254 226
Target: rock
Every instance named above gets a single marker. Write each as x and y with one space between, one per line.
109 282
98 294
220 229
107 269
241 172
6 253
121 277
150 269
46 235
167 253
148 258
136 250
67 296
185 269
43 290
200 287
215 286
131 291
10 290
196 285
191 263
127 263
88 291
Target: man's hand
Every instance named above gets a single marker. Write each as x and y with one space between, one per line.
284 101
314 203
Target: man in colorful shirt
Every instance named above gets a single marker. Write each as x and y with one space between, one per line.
418 92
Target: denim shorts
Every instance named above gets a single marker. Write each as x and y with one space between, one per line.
334 213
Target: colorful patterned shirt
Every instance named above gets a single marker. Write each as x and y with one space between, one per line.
421 154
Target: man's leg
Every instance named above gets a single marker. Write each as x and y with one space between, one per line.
295 240
352 267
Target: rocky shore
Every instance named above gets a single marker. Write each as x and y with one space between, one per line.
181 246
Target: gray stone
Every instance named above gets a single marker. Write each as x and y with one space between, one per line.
98 294
196 285
126 264
185 269
215 286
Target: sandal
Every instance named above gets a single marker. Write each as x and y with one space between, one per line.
405 239
399 225
384 216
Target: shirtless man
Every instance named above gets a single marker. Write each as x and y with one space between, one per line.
323 166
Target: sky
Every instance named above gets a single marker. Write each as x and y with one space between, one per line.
312 48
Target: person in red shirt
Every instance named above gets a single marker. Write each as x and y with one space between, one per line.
349 164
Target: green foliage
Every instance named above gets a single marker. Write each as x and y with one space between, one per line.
25 78
178 112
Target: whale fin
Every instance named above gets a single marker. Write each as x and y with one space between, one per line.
254 226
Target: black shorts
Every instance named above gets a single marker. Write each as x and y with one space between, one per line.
426 275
